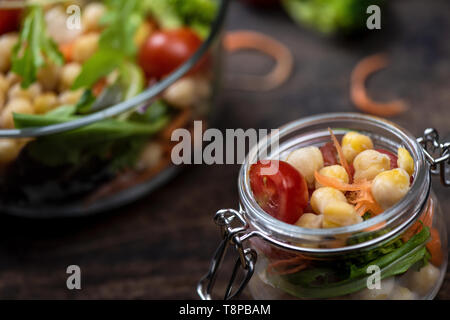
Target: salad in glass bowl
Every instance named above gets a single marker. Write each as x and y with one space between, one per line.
90 93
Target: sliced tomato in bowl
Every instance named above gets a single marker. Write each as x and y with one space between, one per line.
284 194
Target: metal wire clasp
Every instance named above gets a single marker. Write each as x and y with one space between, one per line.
436 153
232 225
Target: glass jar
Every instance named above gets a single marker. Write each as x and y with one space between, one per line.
385 257
43 177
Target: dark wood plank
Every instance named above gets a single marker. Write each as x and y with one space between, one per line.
160 246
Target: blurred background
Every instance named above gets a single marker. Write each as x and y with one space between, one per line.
160 246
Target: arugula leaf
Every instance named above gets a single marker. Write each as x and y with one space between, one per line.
95 140
100 64
315 283
34 47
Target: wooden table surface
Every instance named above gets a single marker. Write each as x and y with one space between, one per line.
159 247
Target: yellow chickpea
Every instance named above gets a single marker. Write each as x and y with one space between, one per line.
306 161
85 46
389 187
92 14
68 75
7 42
16 91
322 196
9 150
45 102
339 214
12 78
181 94
369 163
310 220
353 143
142 33
405 161
49 76
334 171
70 97
16 105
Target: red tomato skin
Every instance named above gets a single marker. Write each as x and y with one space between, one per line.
9 20
329 154
283 195
166 50
391 156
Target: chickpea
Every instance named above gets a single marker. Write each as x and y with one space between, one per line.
306 161
402 293
49 76
142 33
16 105
423 280
369 163
310 220
4 84
7 42
181 94
334 171
339 214
405 161
9 150
85 46
386 287
150 157
354 143
45 102
69 73
70 97
12 78
322 196
91 16
390 186
16 91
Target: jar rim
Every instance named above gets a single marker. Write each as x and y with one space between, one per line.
135 101
392 217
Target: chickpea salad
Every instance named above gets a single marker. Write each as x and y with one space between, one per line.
336 185
52 74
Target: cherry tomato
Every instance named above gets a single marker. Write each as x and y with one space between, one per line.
284 195
9 20
391 156
166 50
329 154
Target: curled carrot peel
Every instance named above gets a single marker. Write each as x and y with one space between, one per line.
239 40
434 246
337 184
342 159
358 92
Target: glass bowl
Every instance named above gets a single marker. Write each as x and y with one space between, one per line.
32 189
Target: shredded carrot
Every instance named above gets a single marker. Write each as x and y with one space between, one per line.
238 40
66 49
358 92
426 220
434 246
342 159
337 184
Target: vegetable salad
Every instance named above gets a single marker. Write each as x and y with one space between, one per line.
336 185
52 74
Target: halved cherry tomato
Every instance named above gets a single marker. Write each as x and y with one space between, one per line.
284 195
9 20
166 50
392 156
329 154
